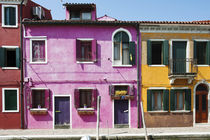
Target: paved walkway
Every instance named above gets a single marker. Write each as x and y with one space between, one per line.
78 133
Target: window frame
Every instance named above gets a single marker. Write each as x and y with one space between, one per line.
12 48
3 99
120 61
3 17
31 59
80 13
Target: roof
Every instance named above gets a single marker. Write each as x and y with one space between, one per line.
80 5
175 22
106 18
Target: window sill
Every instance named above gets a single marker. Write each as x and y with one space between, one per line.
10 68
86 111
10 26
157 65
38 111
161 111
10 111
85 62
181 111
202 65
122 65
38 62
125 97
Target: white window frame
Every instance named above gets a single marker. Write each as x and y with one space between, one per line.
38 39
44 108
3 99
118 63
16 11
13 48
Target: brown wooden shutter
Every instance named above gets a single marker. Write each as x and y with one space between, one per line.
94 98
47 99
30 98
78 50
76 98
94 50
111 90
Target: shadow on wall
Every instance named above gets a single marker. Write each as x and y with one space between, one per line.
89 118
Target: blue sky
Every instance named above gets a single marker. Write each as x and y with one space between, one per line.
139 10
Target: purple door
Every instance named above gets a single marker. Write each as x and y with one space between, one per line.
121 113
62 112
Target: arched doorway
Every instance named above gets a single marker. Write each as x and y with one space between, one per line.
202 104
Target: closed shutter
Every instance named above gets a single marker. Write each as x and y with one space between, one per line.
47 99
149 100
149 52
18 57
208 53
10 99
12 16
172 100
195 50
78 50
165 52
111 90
94 50
132 53
30 99
94 98
2 57
166 100
188 99
76 98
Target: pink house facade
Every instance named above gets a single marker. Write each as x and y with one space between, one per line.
68 63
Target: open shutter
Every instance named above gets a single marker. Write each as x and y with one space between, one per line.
111 90
18 57
166 100
78 50
76 98
194 50
131 90
208 53
188 99
30 99
172 100
47 99
149 100
165 52
149 52
94 50
132 53
94 98
2 53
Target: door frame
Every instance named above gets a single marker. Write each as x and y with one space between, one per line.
187 51
70 101
194 103
129 114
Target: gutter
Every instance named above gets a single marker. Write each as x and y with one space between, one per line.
21 66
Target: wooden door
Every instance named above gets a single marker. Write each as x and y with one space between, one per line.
201 106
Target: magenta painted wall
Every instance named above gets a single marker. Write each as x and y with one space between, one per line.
62 74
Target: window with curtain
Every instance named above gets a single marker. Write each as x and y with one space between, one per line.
202 52
38 51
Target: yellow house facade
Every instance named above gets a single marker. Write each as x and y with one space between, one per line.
175 71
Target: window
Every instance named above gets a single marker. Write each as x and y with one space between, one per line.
202 52
124 50
157 100
9 16
180 99
86 50
85 98
38 51
122 92
40 98
10 99
157 52
78 15
9 57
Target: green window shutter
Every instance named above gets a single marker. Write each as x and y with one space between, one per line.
208 53
165 52
149 52
188 99
166 100
149 100
2 53
172 100
10 100
18 57
132 53
194 50
12 16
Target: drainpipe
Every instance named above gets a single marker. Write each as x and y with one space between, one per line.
21 66
138 74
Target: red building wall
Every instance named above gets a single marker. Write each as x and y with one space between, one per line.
11 78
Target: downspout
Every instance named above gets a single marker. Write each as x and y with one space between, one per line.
21 66
138 81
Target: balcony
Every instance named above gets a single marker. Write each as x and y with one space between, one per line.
182 69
